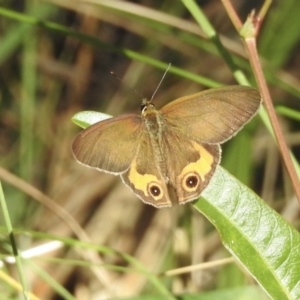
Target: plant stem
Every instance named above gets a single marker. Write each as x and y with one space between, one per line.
256 66
248 32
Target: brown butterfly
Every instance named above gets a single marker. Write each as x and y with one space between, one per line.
177 146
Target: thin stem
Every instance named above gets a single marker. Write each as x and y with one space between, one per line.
13 243
249 31
236 21
250 43
264 9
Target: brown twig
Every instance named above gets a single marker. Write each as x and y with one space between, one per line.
248 32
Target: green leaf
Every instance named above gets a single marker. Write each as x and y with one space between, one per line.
85 119
258 237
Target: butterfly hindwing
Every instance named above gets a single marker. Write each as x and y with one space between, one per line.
191 166
146 176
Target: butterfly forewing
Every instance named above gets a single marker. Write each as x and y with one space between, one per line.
215 115
109 145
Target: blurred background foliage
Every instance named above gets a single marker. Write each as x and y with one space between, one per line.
56 58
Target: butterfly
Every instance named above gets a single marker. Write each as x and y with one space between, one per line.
176 147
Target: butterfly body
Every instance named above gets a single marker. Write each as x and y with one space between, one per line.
177 146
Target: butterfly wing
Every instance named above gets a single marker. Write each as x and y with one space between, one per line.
109 145
122 145
190 164
215 115
146 177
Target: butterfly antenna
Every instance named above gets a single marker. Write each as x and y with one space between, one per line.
160 82
130 87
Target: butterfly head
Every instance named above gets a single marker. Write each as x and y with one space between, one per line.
147 107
